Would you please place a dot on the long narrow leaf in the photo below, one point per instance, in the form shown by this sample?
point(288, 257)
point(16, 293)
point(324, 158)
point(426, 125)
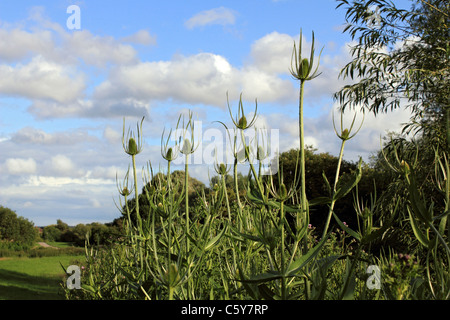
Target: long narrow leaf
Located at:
point(298, 264)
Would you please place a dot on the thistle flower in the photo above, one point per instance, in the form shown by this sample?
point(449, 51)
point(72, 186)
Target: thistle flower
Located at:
point(123, 188)
point(242, 123)
point(346, 133)
point(168, 153)
point(133, 145)
point(188, 143)
point(222, 169)
point(302, 68)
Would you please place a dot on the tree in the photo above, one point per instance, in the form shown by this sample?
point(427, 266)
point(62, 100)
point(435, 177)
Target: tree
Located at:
point(323, 164)
point(51, 233)
point(159, 180)
point(16, 229)
point(402, 61)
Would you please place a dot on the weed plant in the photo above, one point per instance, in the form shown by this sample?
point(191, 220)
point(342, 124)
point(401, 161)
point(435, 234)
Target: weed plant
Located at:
point(262, 246)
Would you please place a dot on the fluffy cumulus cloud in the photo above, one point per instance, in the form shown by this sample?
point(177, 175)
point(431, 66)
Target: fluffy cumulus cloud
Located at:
point(44, 79)
point(17, 166)
point(199, 79)
point(221, 16)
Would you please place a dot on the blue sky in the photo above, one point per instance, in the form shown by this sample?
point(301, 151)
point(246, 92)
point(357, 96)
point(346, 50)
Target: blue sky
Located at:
point(64, 92)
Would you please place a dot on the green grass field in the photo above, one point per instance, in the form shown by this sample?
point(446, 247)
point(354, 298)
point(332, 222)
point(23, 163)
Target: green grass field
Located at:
point(33, 278)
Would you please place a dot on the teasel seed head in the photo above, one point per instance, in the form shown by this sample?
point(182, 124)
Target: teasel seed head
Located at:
point(222, 169)
point(283, 191)
point(242, 124)
point(304, 68)
point(132, 147)
point(187, 147)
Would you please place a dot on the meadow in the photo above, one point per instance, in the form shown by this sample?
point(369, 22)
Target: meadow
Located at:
point(25, 278)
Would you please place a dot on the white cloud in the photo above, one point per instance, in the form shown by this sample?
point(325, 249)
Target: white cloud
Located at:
point(221, 16)
point(29, 135)
point(17, 166)
point(96, 50)
point(44, 80)
point(17, 44)
point(272, 53)
point(62, 165)
point(203, 78)
point(141, 37)
point(111, 135)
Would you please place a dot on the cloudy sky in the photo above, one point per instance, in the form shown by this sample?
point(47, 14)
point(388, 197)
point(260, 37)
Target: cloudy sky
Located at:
point(68, 78)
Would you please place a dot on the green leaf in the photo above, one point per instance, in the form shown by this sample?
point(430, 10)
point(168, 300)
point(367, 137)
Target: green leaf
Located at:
point(264, 277)
point(298, 264)
point(319, 201)
point(417, 232)
point(347, 187)
point(348, 290)
point(351, 232)
point(266, 293)
point(88, 288)
point(216, 239)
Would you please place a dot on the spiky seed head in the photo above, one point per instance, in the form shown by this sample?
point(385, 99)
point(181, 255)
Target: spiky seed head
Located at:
point(169, 154)
point(132, 147)
point(345, 134)
point(283, 191)
point(187, 146)
point(304, 68)
point(222, 169)
point(260, 154)
point(242, 124)
point(125, 192)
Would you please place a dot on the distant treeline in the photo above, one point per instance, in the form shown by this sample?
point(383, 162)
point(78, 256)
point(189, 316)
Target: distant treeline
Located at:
point(96, 233)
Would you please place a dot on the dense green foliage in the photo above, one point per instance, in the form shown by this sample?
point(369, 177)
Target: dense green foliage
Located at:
point(15, 232)
point(95, 232)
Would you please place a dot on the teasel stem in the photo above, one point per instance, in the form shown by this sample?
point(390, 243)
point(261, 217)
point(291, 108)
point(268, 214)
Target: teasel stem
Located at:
point(333, 201)
point(283, 279)
point(302, 149)
point(236, 187)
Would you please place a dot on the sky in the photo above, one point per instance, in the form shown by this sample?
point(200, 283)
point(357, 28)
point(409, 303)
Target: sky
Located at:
point(71, 72)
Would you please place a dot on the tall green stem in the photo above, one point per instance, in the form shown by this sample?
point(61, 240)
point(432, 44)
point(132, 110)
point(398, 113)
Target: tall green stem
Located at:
point(302, 148)
point(136, 194)
point(283, 269)
point(336, 179)
point(170, 217)
point(224, 187)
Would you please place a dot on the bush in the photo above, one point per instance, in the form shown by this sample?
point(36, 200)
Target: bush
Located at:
point(19, 231)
